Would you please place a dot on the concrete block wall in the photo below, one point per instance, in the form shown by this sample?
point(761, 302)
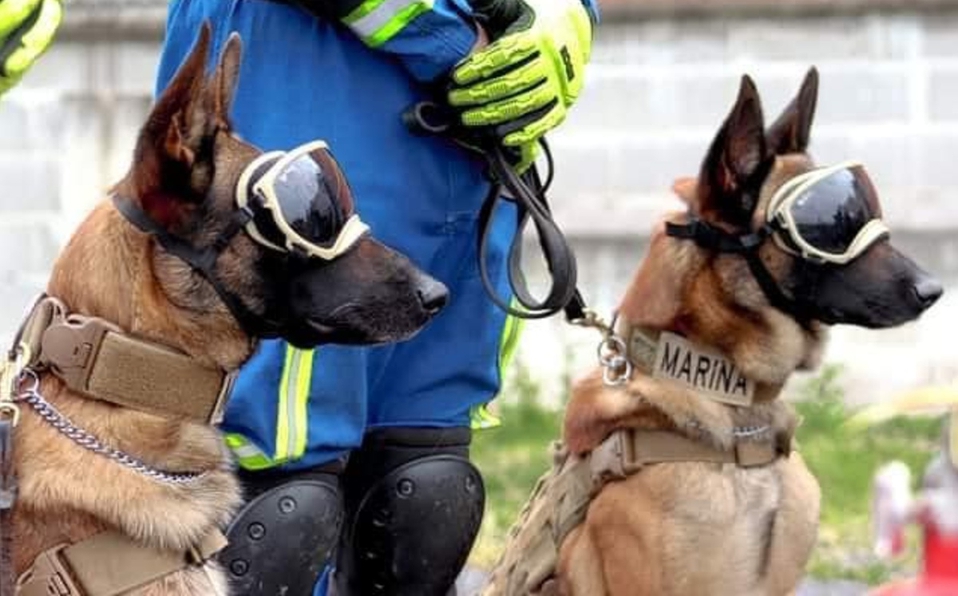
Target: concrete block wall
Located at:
point(659, 87)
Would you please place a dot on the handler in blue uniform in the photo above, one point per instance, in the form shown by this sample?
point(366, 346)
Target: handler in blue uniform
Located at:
point(345, 73)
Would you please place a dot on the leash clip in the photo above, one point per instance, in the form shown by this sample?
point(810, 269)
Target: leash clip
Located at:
point(617, 368)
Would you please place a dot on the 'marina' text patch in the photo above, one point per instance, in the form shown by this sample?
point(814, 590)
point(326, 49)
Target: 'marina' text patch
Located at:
point(703, 370)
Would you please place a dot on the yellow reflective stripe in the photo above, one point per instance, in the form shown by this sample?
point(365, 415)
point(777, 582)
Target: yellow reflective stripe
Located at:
point(378, 21)
point(303, 384)
point(480, 418)
point(291, 416)
point(509, 341)
point(248, 456)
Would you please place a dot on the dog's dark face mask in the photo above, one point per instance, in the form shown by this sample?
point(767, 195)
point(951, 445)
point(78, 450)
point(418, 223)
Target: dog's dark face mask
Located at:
point(294, 262)
point(821, 254)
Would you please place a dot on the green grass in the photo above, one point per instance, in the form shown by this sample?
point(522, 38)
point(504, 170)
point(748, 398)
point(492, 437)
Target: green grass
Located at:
point(843, 459)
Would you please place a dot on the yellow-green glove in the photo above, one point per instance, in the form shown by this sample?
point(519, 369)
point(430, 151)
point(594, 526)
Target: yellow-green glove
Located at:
point(27, 28)
point(523, 83)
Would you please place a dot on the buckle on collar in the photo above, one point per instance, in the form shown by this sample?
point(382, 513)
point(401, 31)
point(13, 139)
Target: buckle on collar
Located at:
point(73, 346)
point(49, 575)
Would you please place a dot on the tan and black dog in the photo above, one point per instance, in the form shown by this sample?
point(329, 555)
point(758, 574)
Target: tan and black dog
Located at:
point(694, 489)
point(161, 484)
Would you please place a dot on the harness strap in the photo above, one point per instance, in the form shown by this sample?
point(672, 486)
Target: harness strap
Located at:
point(96, 358)
point(625, 452)
point(108, 564)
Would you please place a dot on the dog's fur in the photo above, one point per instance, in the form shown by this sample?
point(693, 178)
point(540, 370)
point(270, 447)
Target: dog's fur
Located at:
point(185, 169)
point(697, 529)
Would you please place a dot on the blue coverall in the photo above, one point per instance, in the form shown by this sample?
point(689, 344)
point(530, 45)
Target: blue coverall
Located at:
point(304, 78)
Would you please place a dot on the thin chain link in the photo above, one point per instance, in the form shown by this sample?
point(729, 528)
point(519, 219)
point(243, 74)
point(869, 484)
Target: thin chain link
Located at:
point(64, 426)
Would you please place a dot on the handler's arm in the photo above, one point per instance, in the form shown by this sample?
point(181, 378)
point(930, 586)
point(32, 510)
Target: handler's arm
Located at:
point(428, 36)
point(27, 28)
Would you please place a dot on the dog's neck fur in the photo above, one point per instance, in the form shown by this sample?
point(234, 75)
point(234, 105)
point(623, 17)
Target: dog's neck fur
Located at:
point(108, 247)
point(107, 271)
point(679, 288)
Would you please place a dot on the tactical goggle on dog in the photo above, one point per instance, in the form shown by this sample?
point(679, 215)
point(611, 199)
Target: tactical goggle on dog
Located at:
point(830, 215)
point(301, 202)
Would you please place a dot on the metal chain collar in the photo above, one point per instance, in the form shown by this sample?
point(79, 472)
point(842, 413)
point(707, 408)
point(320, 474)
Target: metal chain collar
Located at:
point(29, 394)
point(612, 352)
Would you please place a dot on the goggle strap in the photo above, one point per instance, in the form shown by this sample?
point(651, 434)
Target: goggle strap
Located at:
point(712, 238)
point(203, 261)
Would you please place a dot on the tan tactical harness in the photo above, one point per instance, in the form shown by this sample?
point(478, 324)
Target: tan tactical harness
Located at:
point(97, 359)
point(561, 497)
point(109, 564)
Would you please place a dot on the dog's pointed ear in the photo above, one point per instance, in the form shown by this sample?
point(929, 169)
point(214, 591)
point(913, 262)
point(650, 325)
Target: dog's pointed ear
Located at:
point(164, 178)
point(731, 173)
point(226, 78)
point(791, 133)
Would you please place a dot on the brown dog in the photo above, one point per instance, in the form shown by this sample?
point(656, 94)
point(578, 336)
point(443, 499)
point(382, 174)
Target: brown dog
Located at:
point(703, 496)
point(183, 178)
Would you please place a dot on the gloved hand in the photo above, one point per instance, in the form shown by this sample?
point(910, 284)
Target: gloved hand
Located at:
point(27, 28)
point(523, 83)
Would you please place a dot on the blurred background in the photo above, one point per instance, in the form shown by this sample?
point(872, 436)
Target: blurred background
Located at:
point(664, 74)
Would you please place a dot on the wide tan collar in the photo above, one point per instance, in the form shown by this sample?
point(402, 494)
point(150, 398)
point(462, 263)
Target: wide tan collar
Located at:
point(98, 359)
point(672, 358)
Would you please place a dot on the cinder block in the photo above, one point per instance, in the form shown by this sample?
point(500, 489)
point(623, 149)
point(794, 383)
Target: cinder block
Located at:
point(941, 34)
point(135, 66)
point(32, 184)
point(813, 39)
point(16, 295)
point(662, 42)
point(938, 165)
point(943, 93)
point(26, 249)
point(862, 96)
point(65, 68)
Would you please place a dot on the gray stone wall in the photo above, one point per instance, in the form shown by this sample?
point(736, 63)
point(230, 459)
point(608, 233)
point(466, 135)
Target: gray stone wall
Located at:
point(659, 87)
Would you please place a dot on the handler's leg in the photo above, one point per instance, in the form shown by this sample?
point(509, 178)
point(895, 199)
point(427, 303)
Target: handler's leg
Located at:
point(414, 502)
point(414, 507)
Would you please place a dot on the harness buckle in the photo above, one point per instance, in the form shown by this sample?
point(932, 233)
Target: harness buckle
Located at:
point(612, 459)
point(49, 575)
point(70, 348)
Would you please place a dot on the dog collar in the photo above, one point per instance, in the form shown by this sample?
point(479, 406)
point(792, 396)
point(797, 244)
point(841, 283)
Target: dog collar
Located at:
point(706, 371)
point(98, 359)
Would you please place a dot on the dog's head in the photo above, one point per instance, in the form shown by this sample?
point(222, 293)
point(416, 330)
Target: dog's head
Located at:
point(183, 186)
point(764, 216)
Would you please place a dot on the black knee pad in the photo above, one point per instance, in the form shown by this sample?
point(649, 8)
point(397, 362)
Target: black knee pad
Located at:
point(414, 505)
point(284, 536)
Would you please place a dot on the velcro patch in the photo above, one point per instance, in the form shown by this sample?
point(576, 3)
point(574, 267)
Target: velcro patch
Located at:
point(703, 370)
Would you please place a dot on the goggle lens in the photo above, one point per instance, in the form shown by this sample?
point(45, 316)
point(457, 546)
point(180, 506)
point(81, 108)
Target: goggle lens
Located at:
point(306, 196)
point(830, 214)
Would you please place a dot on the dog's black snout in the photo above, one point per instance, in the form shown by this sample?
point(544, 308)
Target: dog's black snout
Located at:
point(433, 295)
point(927, 290)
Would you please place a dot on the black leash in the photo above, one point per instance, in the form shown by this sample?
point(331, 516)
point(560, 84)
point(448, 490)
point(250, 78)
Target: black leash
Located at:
point(528, 192)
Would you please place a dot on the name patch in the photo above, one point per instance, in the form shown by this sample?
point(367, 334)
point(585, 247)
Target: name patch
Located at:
point(706, 371)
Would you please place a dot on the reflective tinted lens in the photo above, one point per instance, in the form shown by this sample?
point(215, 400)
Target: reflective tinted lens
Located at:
point(830, 214)
point(307, 192)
